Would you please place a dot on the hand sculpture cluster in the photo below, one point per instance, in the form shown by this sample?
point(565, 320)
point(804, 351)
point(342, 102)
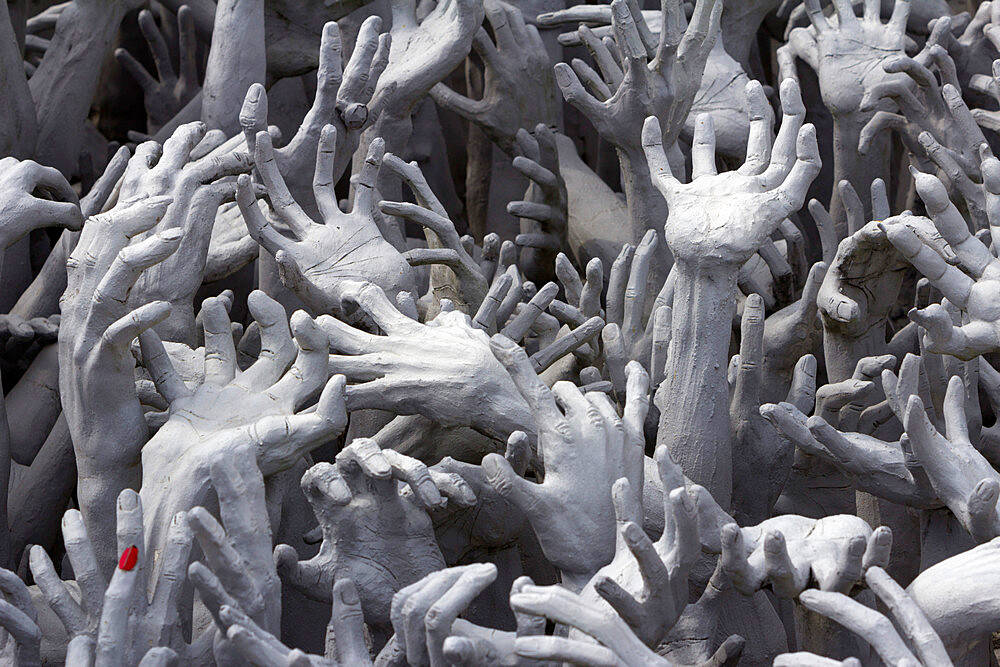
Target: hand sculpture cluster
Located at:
point(489, 333)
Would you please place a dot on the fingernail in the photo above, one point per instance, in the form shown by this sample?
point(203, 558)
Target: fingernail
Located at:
point(633, 533)
point(349, 595)
point(129, 558)
point(128, 501)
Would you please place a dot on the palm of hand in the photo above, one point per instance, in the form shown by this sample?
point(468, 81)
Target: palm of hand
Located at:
point(330, 253)
point(709, 218)
point(850, 63)
point(423, 54)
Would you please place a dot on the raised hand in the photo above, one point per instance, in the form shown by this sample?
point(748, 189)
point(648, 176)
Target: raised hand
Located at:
point(372, 506)
point(745, 207)
point(346, 629)
point(958, 473)
point(914, 643)
point(238, 569)
point(166, 93)
point(518, 88)
point(343, 100)
point(19, 618)
point(95, 362)
point(543, 210)
point(324, 257)
point(973, 295)
point(393, 371)
point(586, 440)
point(231, 408)
point(117, 621)
point(789, 552)
point(422, 54)
point(34, 197)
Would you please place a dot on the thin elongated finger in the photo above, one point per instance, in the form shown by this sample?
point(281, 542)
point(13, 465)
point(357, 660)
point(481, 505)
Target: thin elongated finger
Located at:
point(751, 371)
point(792, 191)
point(166, 378)
point(364, 197)
point(54, 591)
point(656, 157)
point(277, 349)
point(875, 628)
point(758, 154)
point(348, 624)
point(635, 290)
point(617, 284)
point(734, 560)
point(909, 618)
point(561, 649)
point(309, 372)
point(113, 628)
point(563, 346)
point(703, 147)
point(25, 632)
point(783, 154)
point(700, 35)
point(173, 569)
point(132, 260)
point(281, 199)
point(975, 256)
point(358, 68)
point(240, 488)
point(220, 351)
point(537, 395)
point(519, 326)
point(227, 564)
point(374, 302)
point(135, 70)
point(443, 613)
point(954, 284)
point(157, 45)
point(257, 225)
point(414, 473)
point(878, 550)
point(254, 647)
point(82, 558)
point(610, 71)
point(123, 331)
point(326, 152)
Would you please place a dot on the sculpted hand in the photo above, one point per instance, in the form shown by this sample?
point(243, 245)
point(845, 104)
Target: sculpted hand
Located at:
point(346, 628)
point(518, 88)
point(394, 371)
point(238, 569)
point(118, 621)
point(232, 409)
point(973, 295)
point(914, 643)
point(34, 197)
point(771, 184)
point(322, 258)
point(372, 506)
point(167, 93)
point(19, 619)
point(585, 440)
point(788, 552)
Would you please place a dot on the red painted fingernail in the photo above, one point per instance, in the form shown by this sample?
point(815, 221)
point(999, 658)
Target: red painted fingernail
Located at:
point(129, 558)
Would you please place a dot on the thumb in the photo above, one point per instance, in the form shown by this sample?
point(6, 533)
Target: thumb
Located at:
point(523, 494)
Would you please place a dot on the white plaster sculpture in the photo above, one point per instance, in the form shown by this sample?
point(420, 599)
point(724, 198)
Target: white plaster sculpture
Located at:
point(415, 334)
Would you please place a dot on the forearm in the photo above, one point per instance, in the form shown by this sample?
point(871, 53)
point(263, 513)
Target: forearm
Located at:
point(41, 299)
point(18, 125)
point(34, 402)
point(694, 408)
point(857, 169)
point(237, 60)
point(64, 84)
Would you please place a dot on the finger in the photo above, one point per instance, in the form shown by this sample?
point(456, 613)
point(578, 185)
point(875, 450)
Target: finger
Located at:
point(173, 569)
point(277, 349)
point(703, 147)
point(281, 199)
point(519, 326)
point(561, 649)
point(123, 331)
point(310, 370)
point(132, 260)
point(617, 284)
point(135, 70)
point(954, 284)
point(157, 45)
point(656, 157)
point(529, 385)
point(348, 624)
point(364, 197)
point(526, 496)
point(784, 151)
point(635, 291)
point(113, 628)
point(374, 302)
point(875, 628)
point(220, 351)
point(326, 152)
point(442, 614)
point(226, 563)
point(257, 225)
point(415, 474)
point(253, 115)
point(54, 591)
point(792, 192)
point(802, 392)
point(81, 556)
point(878, 550)
point(975, 256)
point(758, 154)
point(781, 572)
point(563, 346)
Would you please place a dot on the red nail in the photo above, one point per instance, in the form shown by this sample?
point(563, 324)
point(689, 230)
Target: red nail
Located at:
point(129, 558)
